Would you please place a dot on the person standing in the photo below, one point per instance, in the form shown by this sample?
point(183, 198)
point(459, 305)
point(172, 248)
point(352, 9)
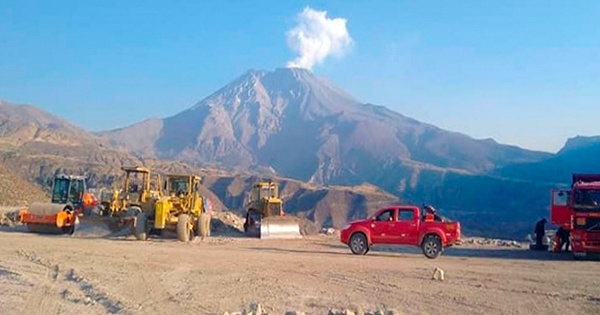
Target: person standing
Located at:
point(540, 231)
point(563, 239)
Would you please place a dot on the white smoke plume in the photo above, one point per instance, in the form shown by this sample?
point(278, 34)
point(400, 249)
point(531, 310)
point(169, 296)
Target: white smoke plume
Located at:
point(315, 37)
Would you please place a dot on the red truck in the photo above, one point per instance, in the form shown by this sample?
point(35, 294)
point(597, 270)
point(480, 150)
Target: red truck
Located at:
point(578, 210)
point(401, 225)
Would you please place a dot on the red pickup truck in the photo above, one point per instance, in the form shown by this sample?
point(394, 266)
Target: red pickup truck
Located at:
point(401, 225)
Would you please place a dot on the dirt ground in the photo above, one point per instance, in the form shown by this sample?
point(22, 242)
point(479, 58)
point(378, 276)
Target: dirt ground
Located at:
point(68, 275)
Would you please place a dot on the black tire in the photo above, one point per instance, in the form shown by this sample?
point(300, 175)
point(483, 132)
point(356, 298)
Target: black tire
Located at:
point(140, 230)
point(184, 233)
point(432, 246)
point(204, 225)
point(358, 244)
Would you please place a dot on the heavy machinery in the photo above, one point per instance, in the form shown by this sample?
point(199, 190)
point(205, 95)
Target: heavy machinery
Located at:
point(265, 217)
point(577, 210)
point(182, 209)
point(139, 194)
point(70, 198)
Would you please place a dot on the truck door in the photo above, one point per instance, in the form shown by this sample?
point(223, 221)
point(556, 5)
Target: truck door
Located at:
point(406, 227)
point(381, 226)
point(561, 211)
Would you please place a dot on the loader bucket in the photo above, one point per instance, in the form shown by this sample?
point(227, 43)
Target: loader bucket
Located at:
point(279, 228)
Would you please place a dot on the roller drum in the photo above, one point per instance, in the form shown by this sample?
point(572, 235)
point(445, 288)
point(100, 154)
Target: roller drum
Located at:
point(46, 209)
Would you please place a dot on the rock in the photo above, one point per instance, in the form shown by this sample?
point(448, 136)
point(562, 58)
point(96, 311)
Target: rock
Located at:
point(256, 308)
point(438, 274)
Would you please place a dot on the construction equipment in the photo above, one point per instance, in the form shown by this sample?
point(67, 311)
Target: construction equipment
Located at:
point(70, 198)
point(182, 209)
point(140, 191)
point(265, 217)
point(577, 210)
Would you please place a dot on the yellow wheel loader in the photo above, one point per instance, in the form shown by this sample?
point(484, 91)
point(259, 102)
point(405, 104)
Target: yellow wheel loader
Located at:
point(265, 217)
point(182, 209)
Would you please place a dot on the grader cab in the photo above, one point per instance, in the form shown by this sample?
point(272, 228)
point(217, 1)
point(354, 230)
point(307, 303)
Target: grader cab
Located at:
point(265, 217)
point(182, 209)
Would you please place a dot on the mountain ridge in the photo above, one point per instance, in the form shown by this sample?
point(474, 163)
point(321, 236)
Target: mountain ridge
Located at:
point(249, 121)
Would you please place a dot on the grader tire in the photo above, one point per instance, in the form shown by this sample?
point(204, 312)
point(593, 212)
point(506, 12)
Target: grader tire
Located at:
point(140, 229)
point(204, 225)
point(184, 232)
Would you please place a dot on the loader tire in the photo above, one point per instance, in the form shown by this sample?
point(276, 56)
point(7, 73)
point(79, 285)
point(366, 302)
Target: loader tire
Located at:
point(140, 229)
point(204, 225)
point(184, 233)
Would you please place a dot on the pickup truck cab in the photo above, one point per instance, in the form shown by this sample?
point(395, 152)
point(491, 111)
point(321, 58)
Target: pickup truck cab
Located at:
point(401, 225)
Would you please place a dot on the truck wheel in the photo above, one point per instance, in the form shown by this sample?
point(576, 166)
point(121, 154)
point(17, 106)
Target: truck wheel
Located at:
point(432, 246)
point(139, 230)
point(204, 225)
point(358, 244)
point(184, 233)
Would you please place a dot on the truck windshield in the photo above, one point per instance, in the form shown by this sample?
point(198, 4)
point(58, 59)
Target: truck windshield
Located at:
point(587, 200)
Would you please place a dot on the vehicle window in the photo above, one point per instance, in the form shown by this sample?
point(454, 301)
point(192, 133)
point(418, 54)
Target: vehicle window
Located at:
point(76, 191)
point(60, 191)
point(405, 215)
point(560, 198)
point(387, 215)
point(178, 185)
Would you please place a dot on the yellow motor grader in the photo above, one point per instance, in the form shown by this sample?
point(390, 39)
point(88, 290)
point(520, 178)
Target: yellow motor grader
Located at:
point(139, 193)
point(265, 217)
point(182, 209)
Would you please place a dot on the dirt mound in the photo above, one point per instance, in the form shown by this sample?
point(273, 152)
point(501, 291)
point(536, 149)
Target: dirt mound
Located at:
point(15, 191)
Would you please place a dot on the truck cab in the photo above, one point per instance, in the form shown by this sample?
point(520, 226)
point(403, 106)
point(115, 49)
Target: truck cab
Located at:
point(401, 225)
point(578, 210)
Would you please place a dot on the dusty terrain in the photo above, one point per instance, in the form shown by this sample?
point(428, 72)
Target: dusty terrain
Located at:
point(67, 275)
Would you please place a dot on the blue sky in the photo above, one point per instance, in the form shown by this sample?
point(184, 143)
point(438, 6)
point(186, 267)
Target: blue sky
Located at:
point(521, 72)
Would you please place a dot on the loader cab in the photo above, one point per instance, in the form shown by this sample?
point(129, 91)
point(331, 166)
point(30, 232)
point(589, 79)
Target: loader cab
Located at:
point(265, 199)
point(68, 189)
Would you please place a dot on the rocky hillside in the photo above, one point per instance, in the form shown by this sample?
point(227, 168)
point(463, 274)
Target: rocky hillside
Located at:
point(579, 155)
point(65, 148)
point(304, 127)
point(15, 191)
point(325, 206)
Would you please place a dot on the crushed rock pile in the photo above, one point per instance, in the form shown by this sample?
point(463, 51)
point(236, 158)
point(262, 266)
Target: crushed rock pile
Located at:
point(9, 216)
point(259, 309)
point(493, 242)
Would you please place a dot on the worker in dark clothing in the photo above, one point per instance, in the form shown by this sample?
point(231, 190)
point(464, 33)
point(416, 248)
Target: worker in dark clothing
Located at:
point(563, 237)
point(540, 231)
